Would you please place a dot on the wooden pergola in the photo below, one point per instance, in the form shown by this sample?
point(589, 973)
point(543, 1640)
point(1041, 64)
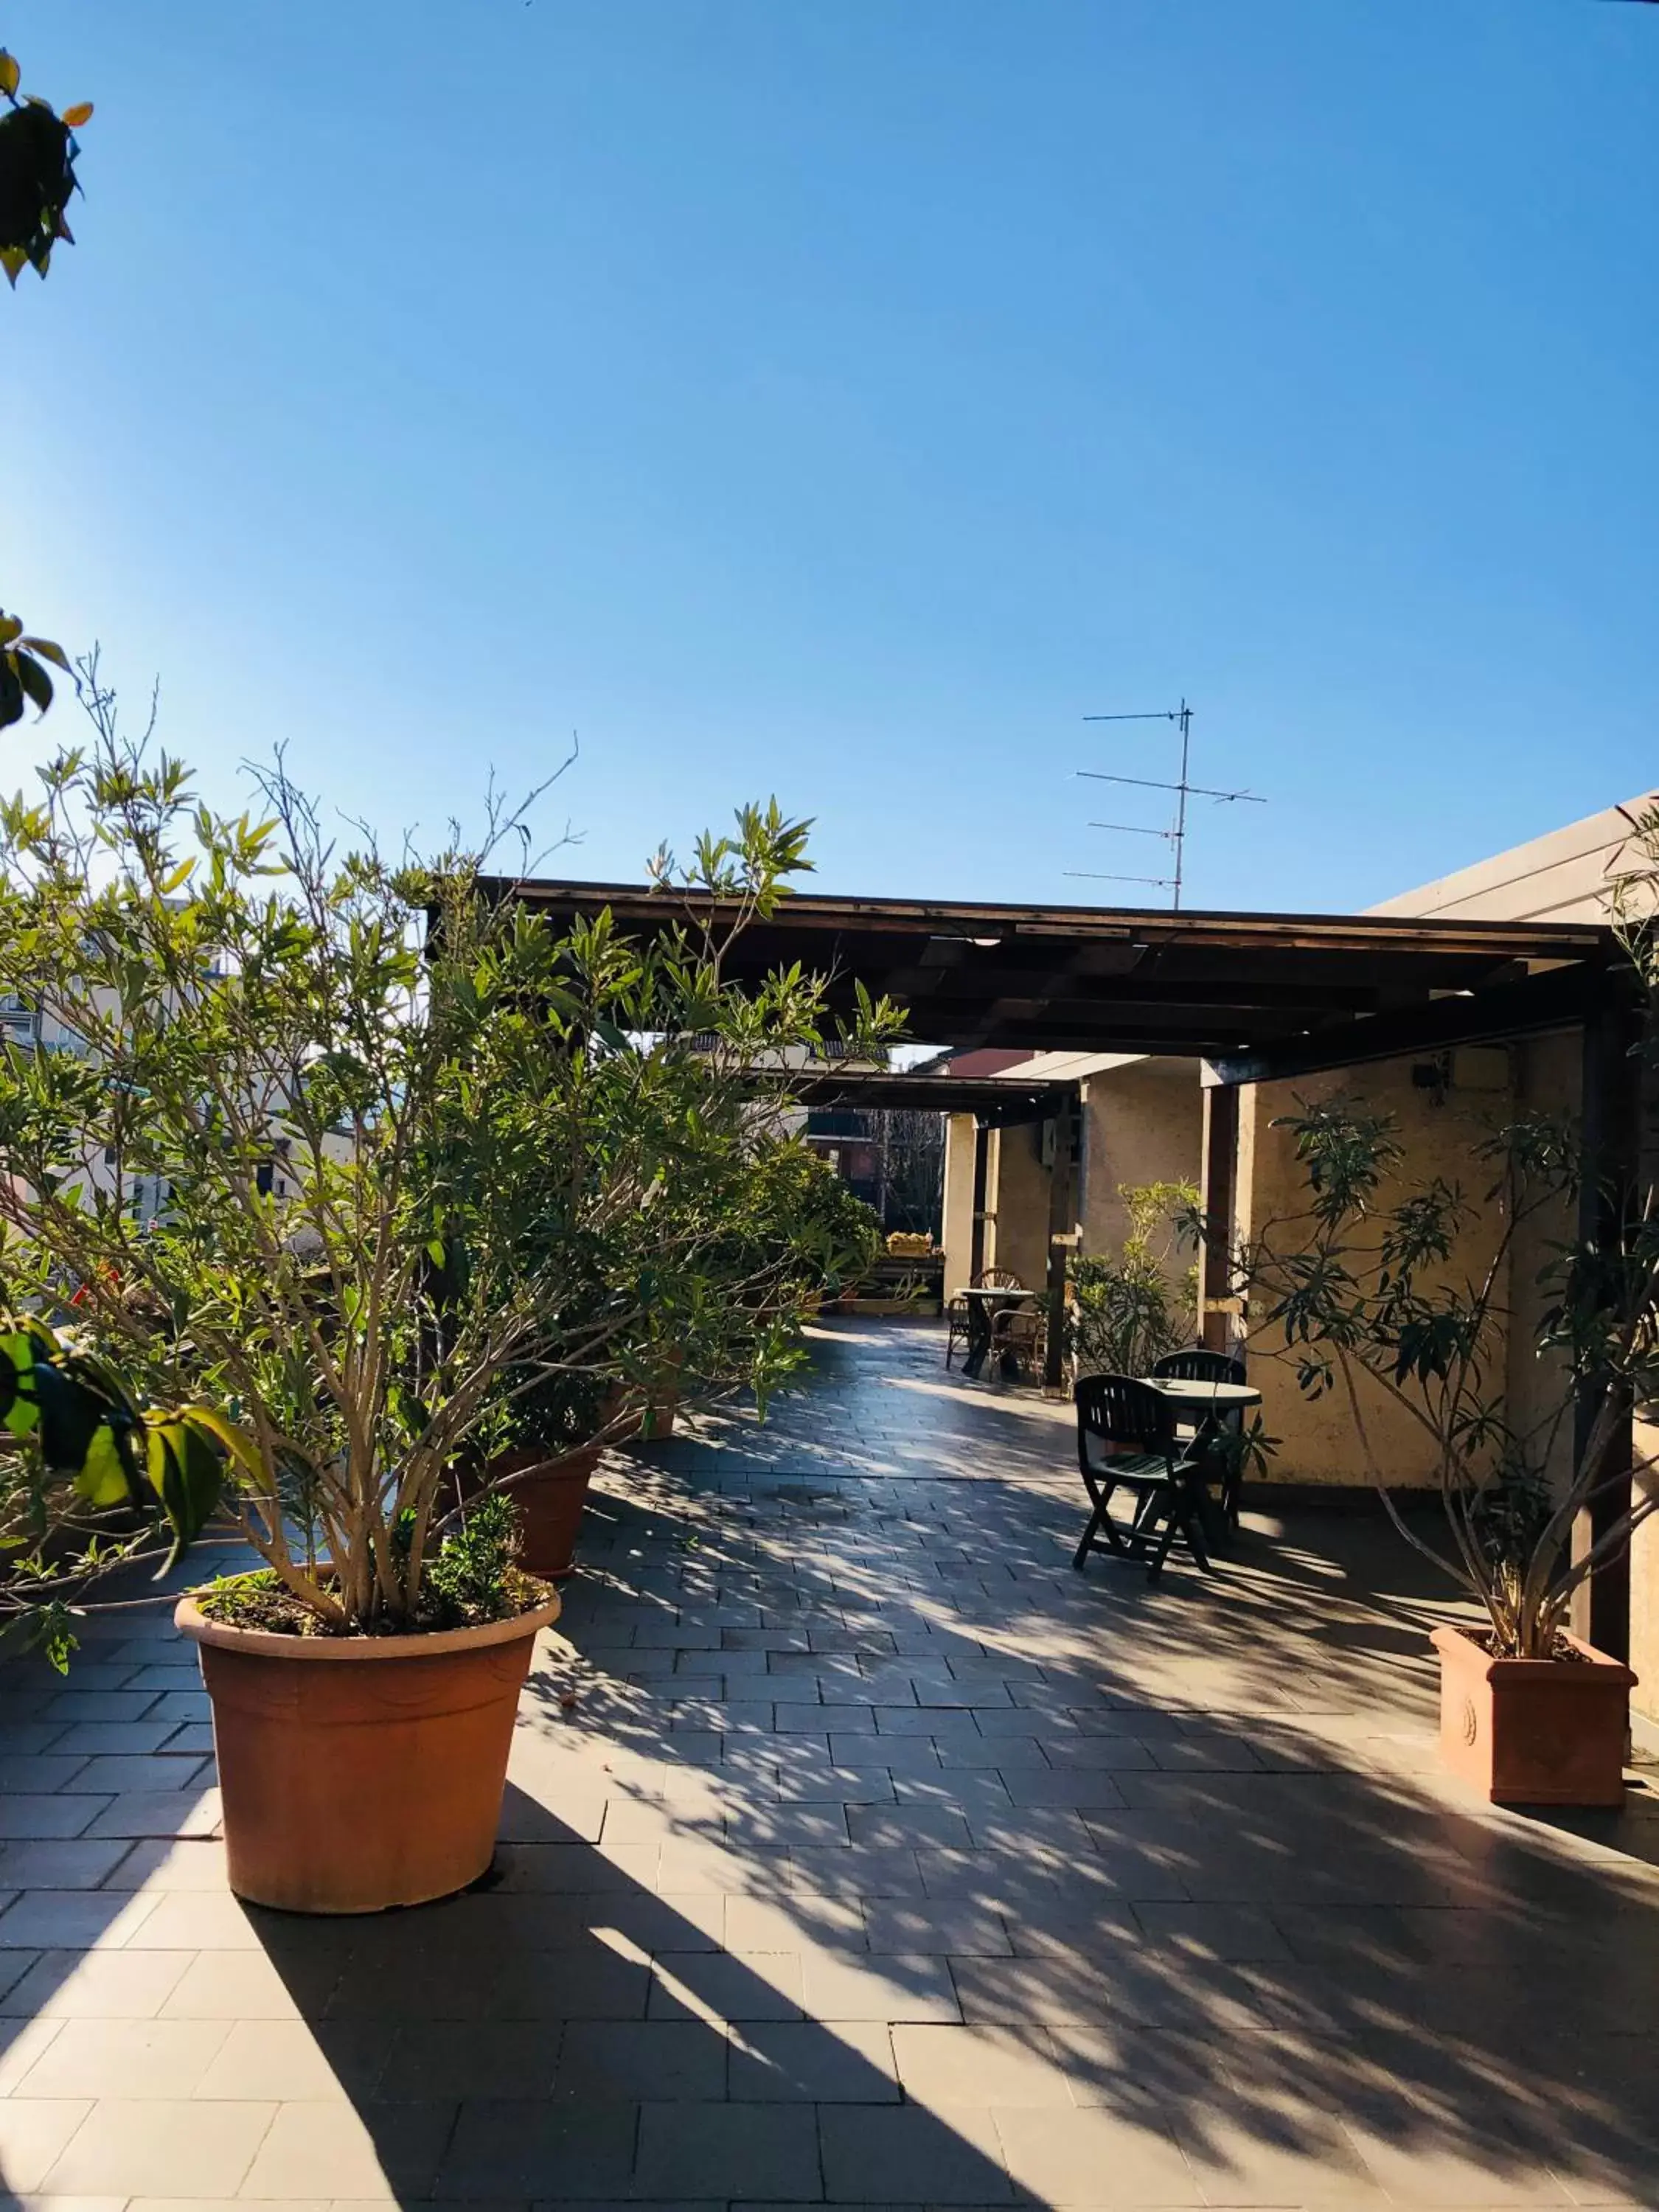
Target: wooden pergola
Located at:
point(1257, 997)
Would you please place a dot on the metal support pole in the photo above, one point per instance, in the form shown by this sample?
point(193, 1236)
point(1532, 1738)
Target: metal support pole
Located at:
point(1215, 1283)
point(1061, 1214)
point(981, 1159)
point(1611, 1106)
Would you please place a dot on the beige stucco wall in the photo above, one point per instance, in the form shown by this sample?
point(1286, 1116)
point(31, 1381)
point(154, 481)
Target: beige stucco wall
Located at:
point(1317, 1442)
point(1142, 1124)
point(1021, 1241)
point(1548, 1080)
point(958, 1228)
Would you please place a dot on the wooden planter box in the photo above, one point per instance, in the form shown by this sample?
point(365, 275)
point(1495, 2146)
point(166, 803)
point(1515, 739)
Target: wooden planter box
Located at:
point(1533, 1731)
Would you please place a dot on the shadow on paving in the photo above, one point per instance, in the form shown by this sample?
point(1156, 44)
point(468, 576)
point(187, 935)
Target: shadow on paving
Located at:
point(856, 1848)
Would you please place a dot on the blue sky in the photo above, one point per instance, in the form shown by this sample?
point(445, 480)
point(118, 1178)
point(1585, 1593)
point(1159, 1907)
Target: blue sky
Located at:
point(843, 399)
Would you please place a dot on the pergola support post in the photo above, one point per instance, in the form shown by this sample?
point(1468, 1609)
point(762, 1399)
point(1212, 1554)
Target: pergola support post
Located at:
point(1059, 1239)
point(1611, 1122)
point(1215, 1283)
point(982, 1165)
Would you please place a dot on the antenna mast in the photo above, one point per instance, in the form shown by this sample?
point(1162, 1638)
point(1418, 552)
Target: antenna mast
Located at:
point(1184, 789)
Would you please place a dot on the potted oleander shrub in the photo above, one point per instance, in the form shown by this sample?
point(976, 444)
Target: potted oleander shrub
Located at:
point(1367, 1287)
point(333, 1154)
point(1129, 1309)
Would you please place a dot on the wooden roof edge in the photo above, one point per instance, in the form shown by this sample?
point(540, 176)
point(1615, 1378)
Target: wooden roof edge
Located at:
point(1523, 940)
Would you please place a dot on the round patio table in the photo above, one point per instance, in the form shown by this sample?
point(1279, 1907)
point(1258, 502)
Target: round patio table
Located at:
point(1201, 1402)
point(1211, 1397)
point(983, 1307)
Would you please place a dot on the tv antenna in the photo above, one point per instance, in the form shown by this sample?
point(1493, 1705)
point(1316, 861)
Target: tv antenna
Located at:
point(1175, 837)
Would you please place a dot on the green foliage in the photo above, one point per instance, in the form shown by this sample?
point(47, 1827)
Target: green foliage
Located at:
point(1129, 1311)
point(38, 153)
point(426, 1157)
point(1369, 1287)
point(88, 1481)
point(470, 1580)
point(23, 677)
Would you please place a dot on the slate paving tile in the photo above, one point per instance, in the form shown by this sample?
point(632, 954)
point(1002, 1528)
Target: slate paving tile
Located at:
point(26, 1738)
point(190, 1736)
point(91, 1739)
point(362, 2150)
point(880, 1989)
point(726, 1985)
point(166, 1813)
point(903, 2154)
point(155, 1770)
point(1091, 2158)
point(77, 1707)
point(1221, 1931)
point(1263, 1884)
point(25, 1816)
point(295, 2061)
point(242, 1985)
point(943, 1926)
point(807, 2062)
point(144, 2059)
point(539, 2148)
point(668, 2061)
point(905, 1826)
point(768, 2150)
point(449, 2060)
point(162, 1862)
point(39, 1771)
point(72, 1919)
point(34, 2134)
point(942, 2067)
point(14, 1965)
point(160, 2147)
point(1065, 1787)
point(96, 1984)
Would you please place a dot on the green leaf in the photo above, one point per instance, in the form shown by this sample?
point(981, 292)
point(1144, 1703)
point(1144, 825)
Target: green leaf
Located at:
point(10, 75)
point(101, 1477)
point(34, 680)
point(46, 650)
point(10, 628)
point(72, 1414)
point(187, 1475)
point(19, 1412)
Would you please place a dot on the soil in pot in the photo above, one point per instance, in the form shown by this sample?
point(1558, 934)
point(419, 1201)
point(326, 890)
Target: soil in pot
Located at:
point(1533, 1731)
point(361, 1771)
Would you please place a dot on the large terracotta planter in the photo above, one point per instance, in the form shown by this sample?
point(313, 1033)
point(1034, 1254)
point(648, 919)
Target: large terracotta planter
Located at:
point(359, 1772)
point(550, 1494)
point(1533, 1731)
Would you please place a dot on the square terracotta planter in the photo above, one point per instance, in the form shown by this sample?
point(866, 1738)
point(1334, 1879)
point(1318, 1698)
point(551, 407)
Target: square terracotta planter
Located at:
point(1533, 1731)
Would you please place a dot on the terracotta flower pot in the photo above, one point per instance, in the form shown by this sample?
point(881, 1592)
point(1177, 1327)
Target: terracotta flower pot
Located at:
point(1533, 1731)
point(359, 1772)
point(550, 1494)
point(660, 1408)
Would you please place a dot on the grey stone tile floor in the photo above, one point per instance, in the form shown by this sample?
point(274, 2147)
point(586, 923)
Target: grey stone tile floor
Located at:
point(857, 1850)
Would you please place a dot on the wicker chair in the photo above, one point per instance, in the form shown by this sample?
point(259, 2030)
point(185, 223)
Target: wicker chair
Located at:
point(1021, 1336)
point(957, 1315)
point(959, 1312)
